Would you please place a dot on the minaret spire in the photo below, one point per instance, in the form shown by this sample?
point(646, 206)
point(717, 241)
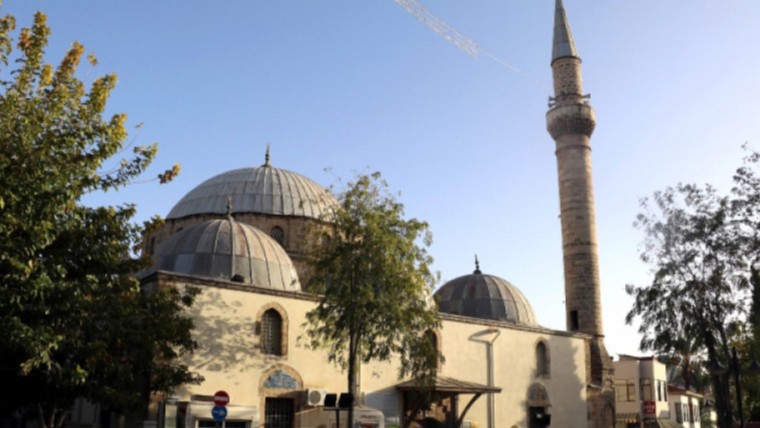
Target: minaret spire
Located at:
point(563, 38)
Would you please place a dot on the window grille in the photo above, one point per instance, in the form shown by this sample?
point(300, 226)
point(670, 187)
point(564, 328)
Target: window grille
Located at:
point(278, 235)
point(278, 413)
point(271, 333)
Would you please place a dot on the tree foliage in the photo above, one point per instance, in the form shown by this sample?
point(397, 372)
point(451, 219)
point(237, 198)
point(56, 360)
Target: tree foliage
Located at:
point(75, 321)
point(374, 281)
point(703, 249)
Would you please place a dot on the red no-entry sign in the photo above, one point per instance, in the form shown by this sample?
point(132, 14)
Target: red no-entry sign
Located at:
point(221, 398)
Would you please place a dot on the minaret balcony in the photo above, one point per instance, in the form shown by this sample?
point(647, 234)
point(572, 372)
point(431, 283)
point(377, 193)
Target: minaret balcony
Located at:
point(576, 118)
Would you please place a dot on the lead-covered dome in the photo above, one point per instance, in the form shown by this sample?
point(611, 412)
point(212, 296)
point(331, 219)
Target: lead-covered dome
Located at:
point(263, 190)
point(487, 297)
point(226, 249)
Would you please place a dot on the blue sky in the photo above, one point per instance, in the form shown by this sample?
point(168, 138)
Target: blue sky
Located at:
point(338, 86)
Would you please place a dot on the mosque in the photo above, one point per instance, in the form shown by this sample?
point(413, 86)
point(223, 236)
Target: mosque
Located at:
point(241, 237)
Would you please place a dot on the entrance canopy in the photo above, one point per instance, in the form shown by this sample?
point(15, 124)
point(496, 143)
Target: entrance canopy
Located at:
point(417, 397)
point(450, 385)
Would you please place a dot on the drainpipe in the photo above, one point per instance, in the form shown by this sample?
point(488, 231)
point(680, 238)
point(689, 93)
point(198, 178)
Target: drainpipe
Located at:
point(490, 337)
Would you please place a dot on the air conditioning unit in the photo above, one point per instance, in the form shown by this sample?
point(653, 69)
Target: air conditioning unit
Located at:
point(315, 397)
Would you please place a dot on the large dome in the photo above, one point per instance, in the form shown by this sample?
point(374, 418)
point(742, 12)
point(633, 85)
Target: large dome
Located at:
point(263, 190)
point(231, 251)
point(487, 297)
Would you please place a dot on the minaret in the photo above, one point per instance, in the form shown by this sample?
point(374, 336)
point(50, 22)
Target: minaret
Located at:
point(571, 121)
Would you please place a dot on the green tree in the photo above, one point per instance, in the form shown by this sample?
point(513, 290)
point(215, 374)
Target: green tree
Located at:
point(375, 285)
point(746, 205)
point(700, 278)
point(75, 322)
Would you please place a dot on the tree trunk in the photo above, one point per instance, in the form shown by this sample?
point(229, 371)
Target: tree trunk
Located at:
point(352, 354)
point(720, 386)
point(55, 417)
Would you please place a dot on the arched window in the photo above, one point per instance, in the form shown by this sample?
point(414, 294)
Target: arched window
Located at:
point(542, 360)
point(278, 234)
point(432, 338)
point(271, 333)
point(326, 241)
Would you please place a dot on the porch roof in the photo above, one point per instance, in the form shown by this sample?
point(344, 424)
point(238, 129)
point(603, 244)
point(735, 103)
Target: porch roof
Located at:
point(448, 384)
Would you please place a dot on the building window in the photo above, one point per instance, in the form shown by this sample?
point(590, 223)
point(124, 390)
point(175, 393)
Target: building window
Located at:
point(574, 323)
point(646, 390)
point(278, 234)
point(278, 413)
point(271, 333)
point(432, 339)
point(679, 413)
point(625, 390)
point(542, 360)
point(326, 241)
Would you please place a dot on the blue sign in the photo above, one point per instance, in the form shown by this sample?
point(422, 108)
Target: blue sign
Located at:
point(219, 413)
point(280, 379)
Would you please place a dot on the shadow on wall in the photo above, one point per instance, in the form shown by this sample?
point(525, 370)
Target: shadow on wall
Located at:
point(225, 332)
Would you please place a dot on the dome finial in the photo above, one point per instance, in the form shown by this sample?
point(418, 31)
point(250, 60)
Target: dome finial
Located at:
point(266, 156)
point(477, 266)
point(229, 206)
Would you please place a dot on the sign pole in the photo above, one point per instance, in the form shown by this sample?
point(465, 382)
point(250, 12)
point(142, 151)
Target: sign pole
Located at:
point(219, 412)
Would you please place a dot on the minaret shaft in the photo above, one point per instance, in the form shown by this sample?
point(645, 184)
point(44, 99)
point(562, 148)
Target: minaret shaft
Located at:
point(571, 121)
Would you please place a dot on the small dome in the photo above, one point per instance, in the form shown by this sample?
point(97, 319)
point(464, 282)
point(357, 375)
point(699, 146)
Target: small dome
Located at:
point(487, 297)
point(263, 190)
point(228, 250)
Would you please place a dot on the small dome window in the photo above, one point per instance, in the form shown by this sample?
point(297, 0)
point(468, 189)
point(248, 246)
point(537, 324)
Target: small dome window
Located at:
point(278, 234)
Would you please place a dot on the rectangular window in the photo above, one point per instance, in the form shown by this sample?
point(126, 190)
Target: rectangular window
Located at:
point(646, 389)
point(574, 323)
point(621, 391)
point(625, 390)
point(278, 413)
point(631, 391)
point(679, 413)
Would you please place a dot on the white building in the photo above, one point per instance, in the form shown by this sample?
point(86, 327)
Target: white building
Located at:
point(641, 392)
point(685, 407)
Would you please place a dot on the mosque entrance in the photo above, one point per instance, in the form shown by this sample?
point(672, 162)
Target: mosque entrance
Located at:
point(538, 403)
point(538, 417)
